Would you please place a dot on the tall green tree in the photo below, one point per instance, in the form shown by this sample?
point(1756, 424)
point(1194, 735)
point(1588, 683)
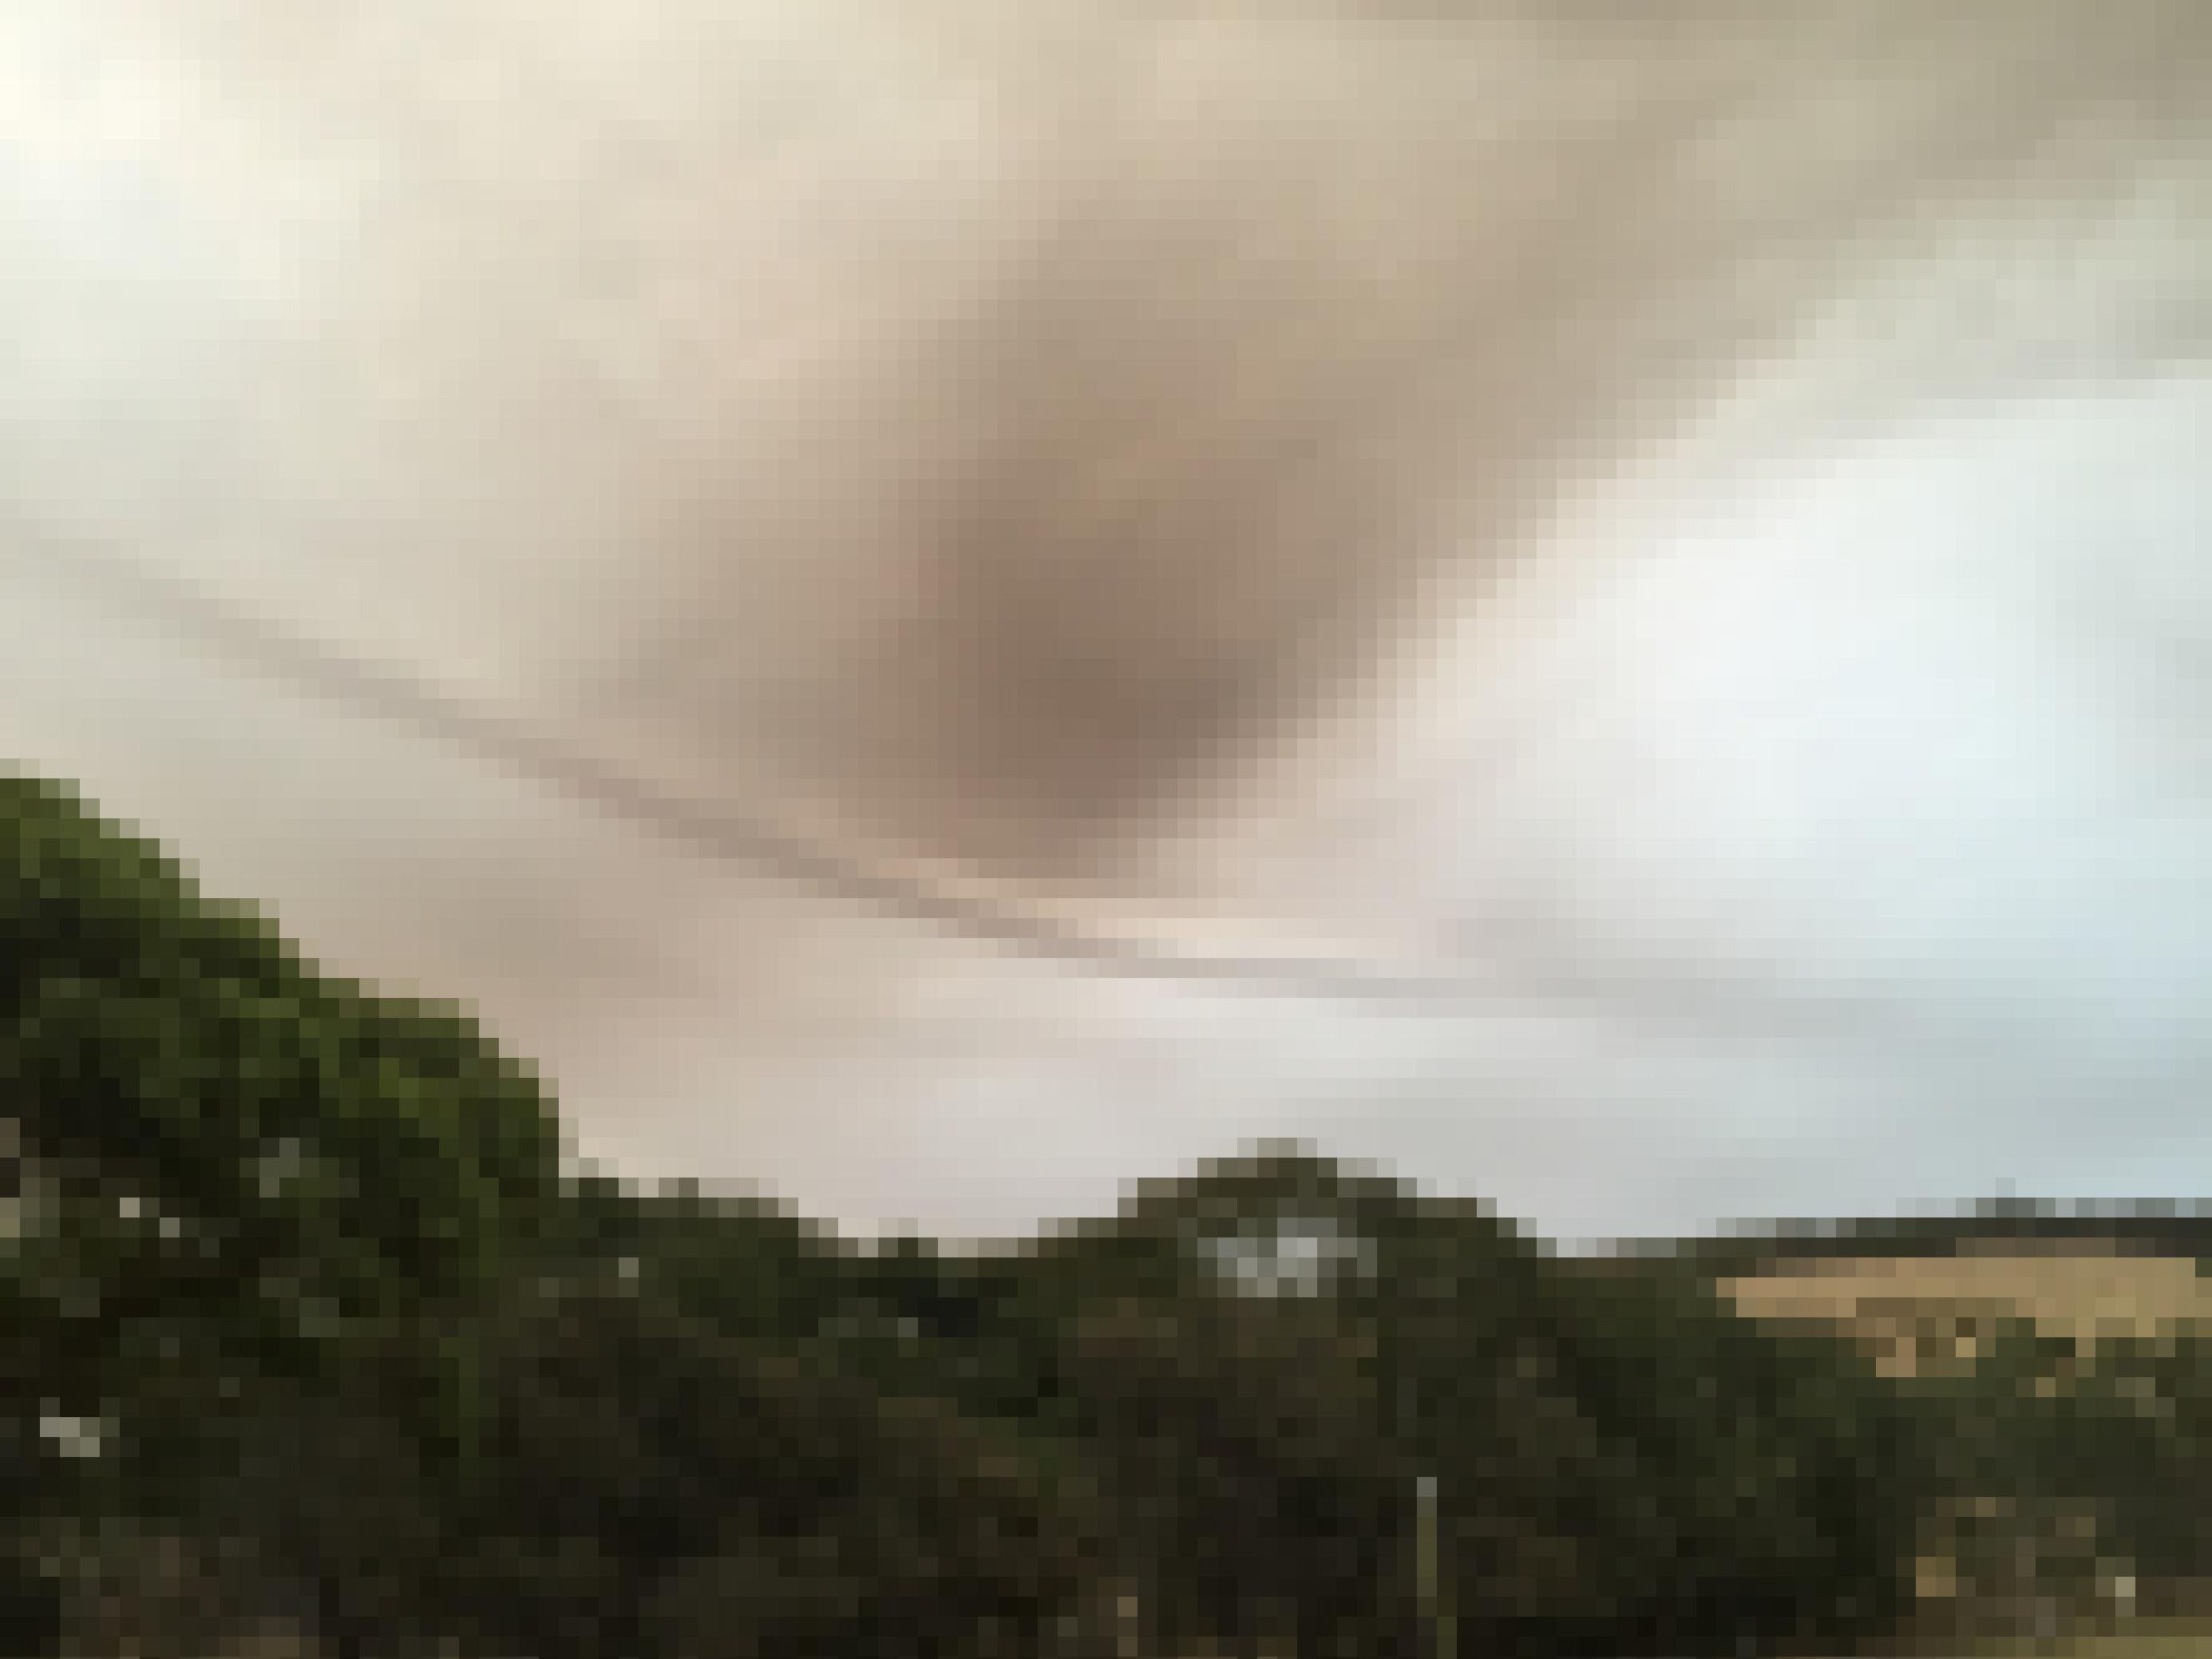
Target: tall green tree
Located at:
point(235, 1181)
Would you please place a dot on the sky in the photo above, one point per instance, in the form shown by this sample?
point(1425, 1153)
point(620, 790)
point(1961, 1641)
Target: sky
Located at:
point(1692, 584)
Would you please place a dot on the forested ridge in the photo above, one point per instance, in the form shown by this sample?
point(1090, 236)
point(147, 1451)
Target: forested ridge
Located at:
point(311, 1325)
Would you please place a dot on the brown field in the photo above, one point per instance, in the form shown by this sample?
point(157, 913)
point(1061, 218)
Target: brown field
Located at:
point(2075, 1287)
point(2164, 1639)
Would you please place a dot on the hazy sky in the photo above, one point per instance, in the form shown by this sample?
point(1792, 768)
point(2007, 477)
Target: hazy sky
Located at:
point(1709, 528)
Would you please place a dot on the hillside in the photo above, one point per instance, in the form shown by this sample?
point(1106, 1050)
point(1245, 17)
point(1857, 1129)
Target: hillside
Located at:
point(1903, 1280)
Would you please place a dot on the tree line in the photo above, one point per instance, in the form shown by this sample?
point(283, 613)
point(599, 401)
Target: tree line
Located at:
point(311, 1325)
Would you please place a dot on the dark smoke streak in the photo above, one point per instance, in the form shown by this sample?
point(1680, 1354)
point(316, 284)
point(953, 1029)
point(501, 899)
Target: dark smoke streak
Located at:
point(1663, 997)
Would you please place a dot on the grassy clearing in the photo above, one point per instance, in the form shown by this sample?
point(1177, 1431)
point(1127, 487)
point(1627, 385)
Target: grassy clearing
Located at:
point(2085, 1292)
point(2173, 1638)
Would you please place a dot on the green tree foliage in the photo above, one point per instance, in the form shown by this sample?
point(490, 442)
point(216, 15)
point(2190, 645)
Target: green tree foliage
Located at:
point(234, 1179)
point(2061, 1465)
point(1624, 1464)
point(1711, 1486)
point(745, 1266)
point(654, 1487)
point(2144, 1405)
point(1273, 1352)
point(1257, 1495)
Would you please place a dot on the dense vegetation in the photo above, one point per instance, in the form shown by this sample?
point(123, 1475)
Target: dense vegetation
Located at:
point(307, 1322)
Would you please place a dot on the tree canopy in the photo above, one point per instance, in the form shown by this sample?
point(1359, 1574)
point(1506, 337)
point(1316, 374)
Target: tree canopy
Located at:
point(306, 1320)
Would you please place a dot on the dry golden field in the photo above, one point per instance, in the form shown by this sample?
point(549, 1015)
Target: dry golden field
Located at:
point(2080, 1288)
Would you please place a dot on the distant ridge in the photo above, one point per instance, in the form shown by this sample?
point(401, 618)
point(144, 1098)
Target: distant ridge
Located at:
point(2159, 1228)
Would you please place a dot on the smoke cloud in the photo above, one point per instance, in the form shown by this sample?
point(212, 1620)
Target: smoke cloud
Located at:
point(1706, 507)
